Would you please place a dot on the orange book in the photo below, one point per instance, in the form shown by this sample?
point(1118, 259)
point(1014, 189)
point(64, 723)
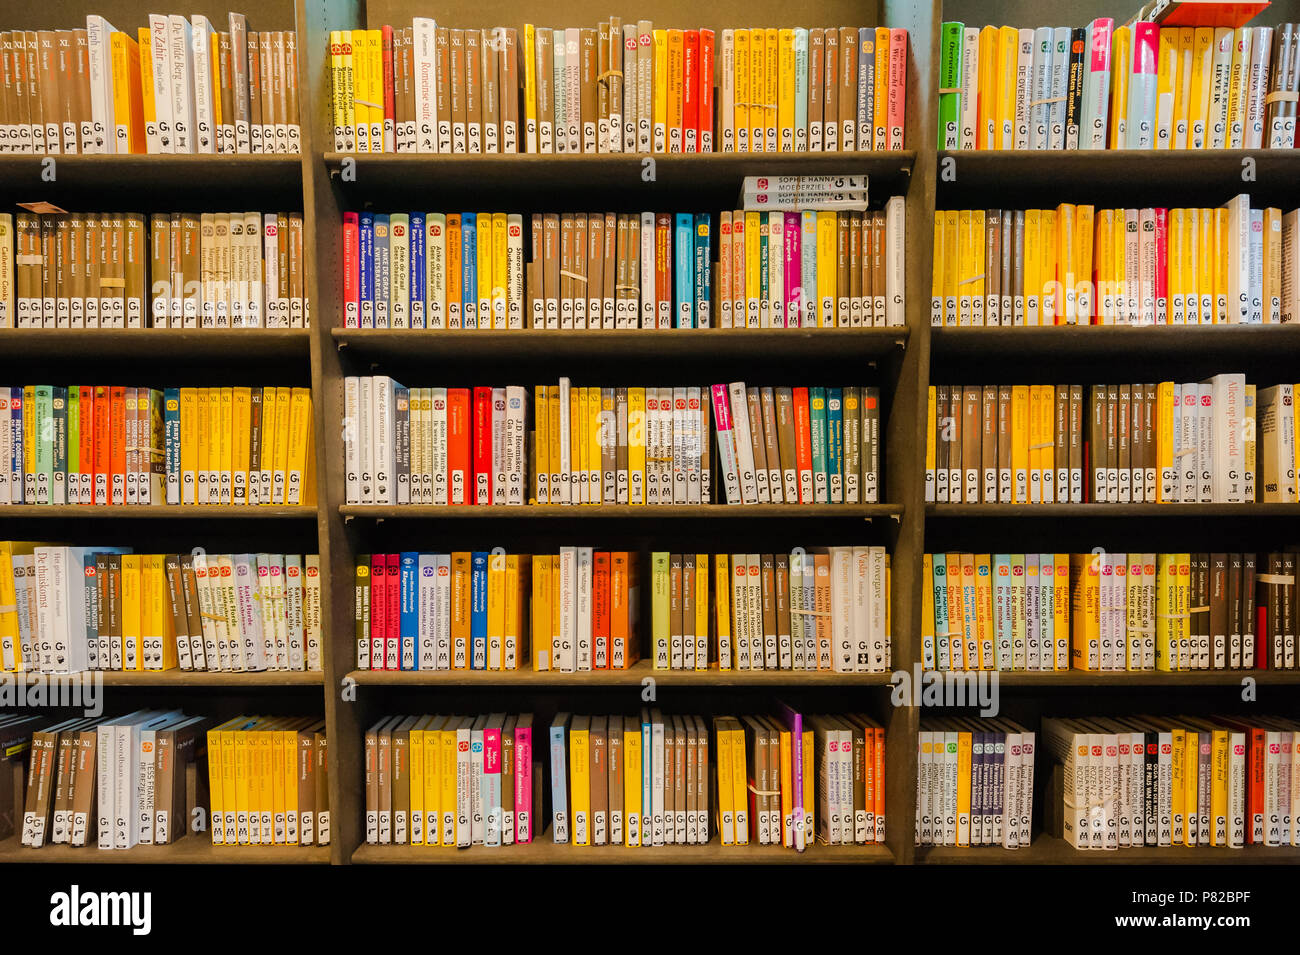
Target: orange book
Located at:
point(460, 609)
point(879, 732)
point(458, 444)
point(803, 445)
point(620, 653)
point(103, 443)
point(128, 99)
point(117, 445)
point(600, 600)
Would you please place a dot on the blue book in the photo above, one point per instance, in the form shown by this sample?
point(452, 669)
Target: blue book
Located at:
point(171, 443)
point(409, 622)
point(683, 271)
point(383, 270)
point(703, 278)
point(835, 442)
point(416, 311)
point(478, 610)
point(469, 270)
point(366, 258)
point(560, 778)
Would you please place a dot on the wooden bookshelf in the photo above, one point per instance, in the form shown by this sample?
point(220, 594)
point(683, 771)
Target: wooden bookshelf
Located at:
point(903, 361)
point(1049, 850)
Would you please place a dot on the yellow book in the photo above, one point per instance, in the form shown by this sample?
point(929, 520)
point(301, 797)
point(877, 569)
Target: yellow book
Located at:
point(280, 452)
point(375, 56)
point(1219, 788)
point(1033, 282)
point(986, 124)
point(128, 97)
point(162, 627)
point(541, 493)
point(770, 83)
point(636, 445)
point(240, 434)
point(880, 94)
point(1085, 606)
point(741, 117)
point(347, 72)
point(300, 449)
point(676, 89)
point(578, 432)
point(235, 834)
point(963, 788)
point(336, 85)
point(10, 643)
point(1020, 444)
point(1191, 762)
point(430, 780)
point(928, 658)
point(1178, 785)
point(937, 271)
point(272, 788)
point(983, 610)
point(1119, 280)
point(1049, 291)
point(593, 449)
point(946, 262)
point(757, 92)
point(360, 56)
point(1166, 84)
point(785, 91)
point(1198, 107)
point(516, 580)
point(740, 778)
point(1183, 87)
point(132, 597)
point(1061, 612)
point(1176, 259)
point(553, 426)
point(1065, 262)
point(483, 245)
point(931, 442)
point(1008, 49)
point(530, 89)
point(244, 792)
point(701, 607)
point(223, 426)
point(976, 276)
point(1205, 266)
point(149, 110)
point(1166, 611)
point(722, 611)
point(1221, 245)
point(827, 252)
point(496, 608)
point(204, 450)
point(632, 814)
point(580, 779)
point(1167, 474)
point(447, 781)
point(1121, 52)
point(1104, 245)
point(217, 803)
point(1191, 292)
point(288, 769)
point(415, 776)
point(965, 268)
point(809, 784)
point(1182, 617)
point(661, 91)
point(1084, 297)
point(500, 243)
point(215, 63)
point(726, 817)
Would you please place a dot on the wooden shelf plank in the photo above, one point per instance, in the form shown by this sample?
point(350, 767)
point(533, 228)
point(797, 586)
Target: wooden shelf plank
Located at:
point(1048, 850)
point(1148, 678)
point(633, 676)
point(157, 512)
point(1076, 511)
point(1147, 343)
point(190, 849)
point(135, 344)
point(889, 172)
point(111, 175)
point(699, 343)
point(542, 851)
point(621, 512)
point(186, 679)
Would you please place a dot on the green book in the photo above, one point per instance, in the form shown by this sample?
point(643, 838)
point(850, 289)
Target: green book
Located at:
point(817, 431)
point(950, 37)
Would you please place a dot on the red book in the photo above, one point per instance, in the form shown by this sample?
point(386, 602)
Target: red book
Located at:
point(664, 269)
point(458, 429)
point(482, 445)
point(378, 609)
point(691, 92)
point(351, 271)
point(1255, 757)
point(103, 459)
point(600, 602)
point(803, 444)
point(706, 91)
point(117, 445)
point(1162, 273)
point(86, 453)
point(393, 606)
point(390, 117)
point(897, 86)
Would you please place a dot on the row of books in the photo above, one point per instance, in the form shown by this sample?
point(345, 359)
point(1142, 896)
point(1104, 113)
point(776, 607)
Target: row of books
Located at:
point(176, 86)
point(616, 88)
point(824, 608)
point(68, 609)
point(113, 444)
point(1119, 444)
point(974, 783)
point(1176, 781)
point(1107, 611)
point(1076, 265)
point(1137, 86)
point(178, 270)
point(777, 269)
point(589, 445)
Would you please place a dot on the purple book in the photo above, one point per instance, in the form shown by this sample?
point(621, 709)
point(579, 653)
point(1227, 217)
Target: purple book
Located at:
point(793, 269)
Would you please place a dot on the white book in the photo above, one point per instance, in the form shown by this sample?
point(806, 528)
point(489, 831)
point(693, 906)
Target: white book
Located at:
point(895, 261)
point(204, 132)
point(743, 443)
point(842, 605)
point(182, 83)
point(564, 653)
point(970, 87)
point(99, 49)
point(1040, 109)
point(422, 135)
point(516, 436)
point(159, 134)
point(384, 439)
point(582, 608)
point(1024, 87)
point(352, 465)
point(1221, 88)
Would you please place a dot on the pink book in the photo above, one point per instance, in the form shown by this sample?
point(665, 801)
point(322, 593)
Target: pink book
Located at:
point(378, 609)
point(393, 608)
point(492, 783)
point(793, 269)
point(351, 271)
point(1162, 273)
point(897, 86)
point(524, 778)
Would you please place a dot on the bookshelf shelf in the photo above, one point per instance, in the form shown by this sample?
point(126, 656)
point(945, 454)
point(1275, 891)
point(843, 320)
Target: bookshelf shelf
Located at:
point(1049, 850)
point(623, 512)
point(542, 851)
point(260, 345)
point(633, 676)
point(713, 344)
point(1149, 678)
point(184, 679)
point(1063, 343)
point(190, 850)
point(948, 512)
point(147, 512)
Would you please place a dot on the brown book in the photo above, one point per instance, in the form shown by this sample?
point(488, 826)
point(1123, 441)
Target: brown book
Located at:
point(321, 780)
point(587, 65)
point(988, 444)
point(856, 257)
point(294, 275)
point(255, 117)
point(35, 114)
point(688, 611)
point(956, 476)
point(1123, 444)
point(609, 266)
point(1077, 412)
point(291, 98)
point(280, 92)
point(972, 398)
point(111, 609)
point(473, 91)
point(595, 270)
point(65, 769)
point(509, 95)
point(679, 780)
point(491, 41)
point(401, 769)
point(1007, 304)
point(676, 611)
point(614, 790)
point(816, 89)
point(767, 579)
point(1097, 443)
point(48, 89)
point(191, 287)
point(565, 271)
point(1005, 485)
point(1112, 443)
point(1061, 445)
point(306, 774)
point(458, 96)
point(843, 307)
point(135, 252)
point(266, 90)
point(692, 737)
point(762, 467)
point(848, 99)
point(785, 442)
point(598, 755)
point(84, 796)
point(1219, 592)
point(175, 749)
